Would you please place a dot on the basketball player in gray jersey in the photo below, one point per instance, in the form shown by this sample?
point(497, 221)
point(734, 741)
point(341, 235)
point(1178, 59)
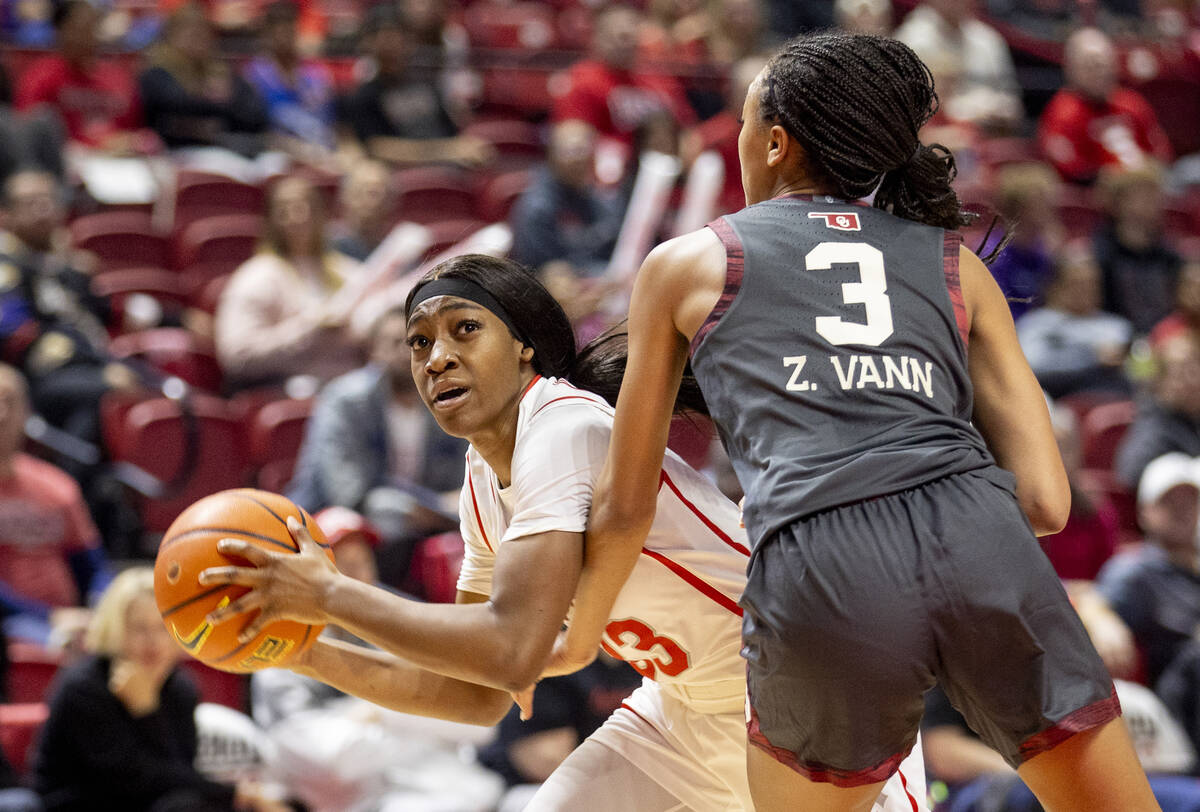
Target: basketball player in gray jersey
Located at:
point(895, 449)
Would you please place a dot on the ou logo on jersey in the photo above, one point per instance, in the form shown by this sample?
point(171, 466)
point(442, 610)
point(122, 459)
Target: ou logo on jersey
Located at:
point(839, 220)
point(649, 653)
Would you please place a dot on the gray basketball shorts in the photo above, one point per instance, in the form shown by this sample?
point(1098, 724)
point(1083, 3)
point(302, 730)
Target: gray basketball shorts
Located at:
point(852, 613)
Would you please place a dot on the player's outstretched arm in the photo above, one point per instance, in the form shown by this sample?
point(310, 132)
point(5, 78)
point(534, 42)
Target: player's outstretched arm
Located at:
point(394, 683)
point(670, 300)
point(1010, 409)
point(503, 643)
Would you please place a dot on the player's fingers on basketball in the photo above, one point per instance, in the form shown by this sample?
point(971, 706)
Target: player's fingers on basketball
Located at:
point(244, 549)
point(248, 602)
point(254, 627)
point(242, 576)
point(300, 533)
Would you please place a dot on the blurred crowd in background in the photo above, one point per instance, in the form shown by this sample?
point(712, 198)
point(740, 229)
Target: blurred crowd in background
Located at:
point(209, 214)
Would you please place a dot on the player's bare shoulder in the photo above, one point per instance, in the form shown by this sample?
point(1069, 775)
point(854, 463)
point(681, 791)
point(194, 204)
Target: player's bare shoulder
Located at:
point(686, 275)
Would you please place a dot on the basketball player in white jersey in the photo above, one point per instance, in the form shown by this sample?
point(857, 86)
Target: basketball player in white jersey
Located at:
point(491, 351)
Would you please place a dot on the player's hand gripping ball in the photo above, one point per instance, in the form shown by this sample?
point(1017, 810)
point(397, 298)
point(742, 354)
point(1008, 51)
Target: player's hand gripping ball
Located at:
point(258, 518)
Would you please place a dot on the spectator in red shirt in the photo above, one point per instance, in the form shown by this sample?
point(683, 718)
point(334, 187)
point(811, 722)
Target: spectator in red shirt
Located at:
point(50, 554)
point(95, 99)
point(608, 92)
point(1092, 122)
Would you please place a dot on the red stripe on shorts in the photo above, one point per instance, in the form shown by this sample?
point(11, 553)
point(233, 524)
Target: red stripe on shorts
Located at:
point(820, 772)
point(1085, 718)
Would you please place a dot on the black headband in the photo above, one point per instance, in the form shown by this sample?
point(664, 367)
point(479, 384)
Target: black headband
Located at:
point(472, 292)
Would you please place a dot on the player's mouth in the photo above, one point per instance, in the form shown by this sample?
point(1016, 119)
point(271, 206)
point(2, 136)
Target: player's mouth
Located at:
point(449, 398)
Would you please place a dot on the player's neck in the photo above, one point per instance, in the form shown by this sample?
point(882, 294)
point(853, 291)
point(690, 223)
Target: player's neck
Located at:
point(800, 186)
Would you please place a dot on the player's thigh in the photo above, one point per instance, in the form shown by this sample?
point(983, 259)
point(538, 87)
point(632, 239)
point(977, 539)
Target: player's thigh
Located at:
point(596, 778)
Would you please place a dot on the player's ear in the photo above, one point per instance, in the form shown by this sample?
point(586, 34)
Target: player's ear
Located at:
point(779, 145)
point(527, 353)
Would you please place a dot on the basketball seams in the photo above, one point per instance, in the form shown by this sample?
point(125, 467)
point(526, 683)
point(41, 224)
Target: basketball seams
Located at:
point(199, 596)
point(228, 531)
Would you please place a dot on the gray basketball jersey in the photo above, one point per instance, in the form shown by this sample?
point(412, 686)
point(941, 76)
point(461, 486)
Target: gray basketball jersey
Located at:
point(834, 364)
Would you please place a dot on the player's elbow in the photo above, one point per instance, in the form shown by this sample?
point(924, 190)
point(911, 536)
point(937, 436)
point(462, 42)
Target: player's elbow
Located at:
point(491, 707)
point(521, 671)
point(1048, 511)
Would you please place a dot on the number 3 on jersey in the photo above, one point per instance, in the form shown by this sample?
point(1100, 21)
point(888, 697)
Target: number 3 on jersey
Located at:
point(650, 654)
point(870, 291)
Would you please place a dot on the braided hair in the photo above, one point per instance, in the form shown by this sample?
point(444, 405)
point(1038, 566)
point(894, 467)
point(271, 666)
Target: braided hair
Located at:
point(855, 103)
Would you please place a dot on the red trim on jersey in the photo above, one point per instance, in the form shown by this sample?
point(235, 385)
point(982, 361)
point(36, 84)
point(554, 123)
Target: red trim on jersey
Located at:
point(820, 772)
point(478, 518)
point(1085, 718)
point(591, 399)
point(735, 268)
point(950, 246)
point(904, 784)
point(528, 386)
point(635, 713)
point(696, 581)
point(709, 523)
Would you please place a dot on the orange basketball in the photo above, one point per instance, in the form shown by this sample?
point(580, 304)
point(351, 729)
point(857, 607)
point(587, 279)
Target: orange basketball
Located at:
point(190, 547)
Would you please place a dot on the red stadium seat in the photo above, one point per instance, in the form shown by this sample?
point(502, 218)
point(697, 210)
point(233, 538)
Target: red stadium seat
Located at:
point(997, 152)
point(522, 26)
point(501, 192)
point(218, 245)
point(1103, 485)
point(202, 194)
point(207, 286)
point(163, 286)
point(31, 669)
point(195, 456)
point(519, 91)
point(1101, 432)
point(433, 571)
point(220, 687)
point(121, 239)
point(19, 726)
point(518, 143)
point(1079, 212)
point(173, 351)
point(275, 434)
point(432, 194)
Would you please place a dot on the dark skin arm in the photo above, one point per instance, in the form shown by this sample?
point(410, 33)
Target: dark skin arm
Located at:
point(502, 643)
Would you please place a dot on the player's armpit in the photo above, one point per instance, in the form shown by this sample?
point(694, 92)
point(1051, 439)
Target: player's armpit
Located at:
point(1010, 408)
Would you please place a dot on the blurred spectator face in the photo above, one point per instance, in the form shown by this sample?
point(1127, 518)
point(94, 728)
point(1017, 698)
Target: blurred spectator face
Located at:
point(366, 196)
point(572, 153)
point(1028, 195)
point(424, 18)
point(355, 557)
point(1090, 63)
point(1178, 386)
point(147, 642)
point(389, 348)
point(658, 132)
point(189, 33)
point(295, 218)
point(1140, 205)
point(954, 12)
point(77, 32)
point(1188, 293)
point(864, 16)
point(1076, 288)
point(390, 48)
point(615, 40)
point(14, 409)
point(1171, 519)
point(33, 210)
point(740, 20)
point(279, 32)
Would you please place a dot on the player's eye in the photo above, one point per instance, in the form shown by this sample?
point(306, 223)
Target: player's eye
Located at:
point(468, 326)
point(418, 342)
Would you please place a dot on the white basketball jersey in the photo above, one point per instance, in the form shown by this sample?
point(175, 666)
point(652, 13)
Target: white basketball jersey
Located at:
point(676, 620)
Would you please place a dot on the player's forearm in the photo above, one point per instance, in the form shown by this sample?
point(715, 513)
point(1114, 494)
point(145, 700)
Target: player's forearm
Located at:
point(391, 682)
point(471, 642)
point(617, 530)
